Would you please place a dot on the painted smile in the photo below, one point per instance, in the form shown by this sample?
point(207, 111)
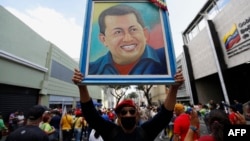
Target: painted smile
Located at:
point(129, 47)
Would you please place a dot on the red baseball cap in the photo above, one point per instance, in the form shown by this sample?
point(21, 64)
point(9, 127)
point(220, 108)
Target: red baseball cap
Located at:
point(124, 103)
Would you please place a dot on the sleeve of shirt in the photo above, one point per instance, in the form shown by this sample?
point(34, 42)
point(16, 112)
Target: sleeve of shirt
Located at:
point(47, 127)
point(155, 125)
point(95, 120)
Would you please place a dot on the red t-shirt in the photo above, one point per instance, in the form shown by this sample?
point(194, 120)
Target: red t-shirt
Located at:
point(181, 126)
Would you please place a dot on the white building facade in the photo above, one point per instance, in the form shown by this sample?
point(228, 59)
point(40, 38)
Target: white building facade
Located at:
point(217, 52)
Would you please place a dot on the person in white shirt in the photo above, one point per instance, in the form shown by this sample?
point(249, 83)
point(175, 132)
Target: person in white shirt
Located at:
point(20, 119)
point(94, 136)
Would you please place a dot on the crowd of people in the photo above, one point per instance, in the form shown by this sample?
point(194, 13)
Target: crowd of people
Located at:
point(44, 124)
point(16, 119)
point(216, 116)
point(127, 121)
point(217, 121)
point(52, 119)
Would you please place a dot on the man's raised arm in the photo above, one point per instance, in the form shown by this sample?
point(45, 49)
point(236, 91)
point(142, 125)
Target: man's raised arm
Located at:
point(84, 94)
point(172, 93)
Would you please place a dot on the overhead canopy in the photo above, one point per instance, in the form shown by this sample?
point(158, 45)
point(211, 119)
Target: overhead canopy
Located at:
point(60, 100)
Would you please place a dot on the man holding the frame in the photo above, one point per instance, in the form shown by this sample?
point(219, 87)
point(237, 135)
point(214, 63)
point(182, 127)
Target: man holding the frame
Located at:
point(123, 32)
point(127, 128)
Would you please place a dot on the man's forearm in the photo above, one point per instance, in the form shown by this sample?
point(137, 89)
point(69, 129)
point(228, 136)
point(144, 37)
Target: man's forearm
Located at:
point(171, 98)
point(189, 136)
point(84, 94)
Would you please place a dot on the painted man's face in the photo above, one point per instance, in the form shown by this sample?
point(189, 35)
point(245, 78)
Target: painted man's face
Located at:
point(125, 38)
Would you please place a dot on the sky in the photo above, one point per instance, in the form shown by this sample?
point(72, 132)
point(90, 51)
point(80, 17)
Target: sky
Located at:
point(61, 21)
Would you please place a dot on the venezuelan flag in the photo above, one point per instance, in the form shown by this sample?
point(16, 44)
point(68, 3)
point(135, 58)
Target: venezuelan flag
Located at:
point(231, 38)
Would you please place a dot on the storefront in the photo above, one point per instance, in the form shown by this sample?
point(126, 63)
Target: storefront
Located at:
point(14, 98)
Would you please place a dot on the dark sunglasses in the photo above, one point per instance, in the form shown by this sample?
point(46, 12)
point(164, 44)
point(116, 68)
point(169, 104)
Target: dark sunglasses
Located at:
point(124, 112)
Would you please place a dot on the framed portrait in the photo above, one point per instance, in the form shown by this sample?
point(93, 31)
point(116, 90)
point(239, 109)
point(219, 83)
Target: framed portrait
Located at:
point(126, 42)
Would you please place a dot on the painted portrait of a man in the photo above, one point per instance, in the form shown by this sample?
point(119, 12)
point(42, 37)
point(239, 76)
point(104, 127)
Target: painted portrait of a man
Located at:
point(127, 39)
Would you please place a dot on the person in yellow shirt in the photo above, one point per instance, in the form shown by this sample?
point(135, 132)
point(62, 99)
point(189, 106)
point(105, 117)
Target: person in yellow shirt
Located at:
point(66, 126)
point(77, 125)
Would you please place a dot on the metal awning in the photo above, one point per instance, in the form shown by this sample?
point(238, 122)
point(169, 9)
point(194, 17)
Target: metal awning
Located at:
point(60, 100)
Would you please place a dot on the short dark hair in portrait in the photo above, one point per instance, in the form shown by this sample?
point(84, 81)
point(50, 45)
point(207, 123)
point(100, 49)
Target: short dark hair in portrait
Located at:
point(118, 11)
